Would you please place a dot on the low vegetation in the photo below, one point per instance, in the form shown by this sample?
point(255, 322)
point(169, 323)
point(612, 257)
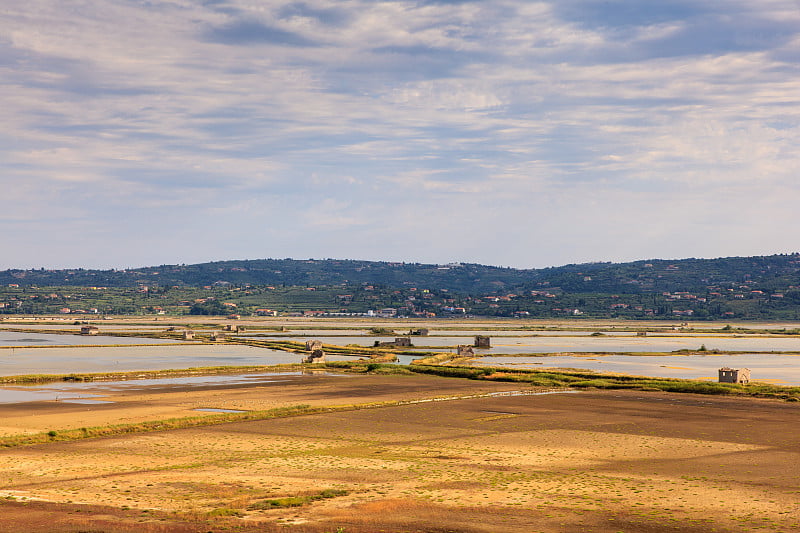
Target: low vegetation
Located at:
point(296, 501)
point(740, 288)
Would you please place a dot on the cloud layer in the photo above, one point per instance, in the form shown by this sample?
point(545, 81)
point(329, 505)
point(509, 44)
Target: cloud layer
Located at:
point(503, 132)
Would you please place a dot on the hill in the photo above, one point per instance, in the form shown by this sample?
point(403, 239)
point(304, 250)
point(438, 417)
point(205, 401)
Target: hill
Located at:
point(763, 287)
point(768, 272)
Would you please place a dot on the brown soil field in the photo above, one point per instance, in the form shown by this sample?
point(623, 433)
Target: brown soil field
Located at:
point(599, 461)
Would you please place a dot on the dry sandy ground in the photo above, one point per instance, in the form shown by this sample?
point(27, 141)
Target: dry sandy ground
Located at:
point(589, 461)
point(158, 402)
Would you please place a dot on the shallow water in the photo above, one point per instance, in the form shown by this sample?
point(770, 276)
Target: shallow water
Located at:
point(20, 395)
point(643, 344)
point(777, 369)
point(75, 391)
point(584, 343)
point(13, 338)
point(23, 361)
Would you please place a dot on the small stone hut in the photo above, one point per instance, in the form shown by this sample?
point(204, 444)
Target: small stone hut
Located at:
point(188, 335)
point(482, 341)
point(316, 356)
point(734, 375)
point(402, 341)
point(89, 330)
point(462, 350)
point(313, 345)
point(398, 341)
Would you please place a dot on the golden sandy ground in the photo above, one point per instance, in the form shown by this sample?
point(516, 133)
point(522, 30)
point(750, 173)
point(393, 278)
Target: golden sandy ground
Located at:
point(588, 461)
point(138, 404)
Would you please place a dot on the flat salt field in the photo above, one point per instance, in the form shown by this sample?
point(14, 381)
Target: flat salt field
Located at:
point(24, 361)
point(75, 392)
point(15, 338)
point(646, 344)
point(586, 343)
point(768, 368)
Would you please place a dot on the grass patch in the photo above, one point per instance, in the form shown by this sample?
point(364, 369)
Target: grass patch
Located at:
point(296, 501)
point(223, 511)
point(584, 380)
point(157, 425)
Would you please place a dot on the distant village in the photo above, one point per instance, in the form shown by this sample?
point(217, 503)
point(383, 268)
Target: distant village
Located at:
point(224, 299)
point(724, 289)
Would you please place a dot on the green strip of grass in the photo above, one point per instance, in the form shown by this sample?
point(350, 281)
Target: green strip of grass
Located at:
point(146, 374)
point(583, 380)
point(156, 425)
point(296, 501)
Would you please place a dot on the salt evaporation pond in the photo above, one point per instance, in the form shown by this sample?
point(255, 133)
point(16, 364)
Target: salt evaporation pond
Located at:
point(14, 338)
point(23, 361)
point(644, 344)
point(770, 368)
point(547, 344)
point(74, 392)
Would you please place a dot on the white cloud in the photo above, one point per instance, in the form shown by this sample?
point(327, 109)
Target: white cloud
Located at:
point(486, 108)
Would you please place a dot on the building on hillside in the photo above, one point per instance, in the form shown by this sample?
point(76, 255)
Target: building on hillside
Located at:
point(734, 375)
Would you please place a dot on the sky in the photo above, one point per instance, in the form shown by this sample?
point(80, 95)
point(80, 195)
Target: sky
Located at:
point(502, 132)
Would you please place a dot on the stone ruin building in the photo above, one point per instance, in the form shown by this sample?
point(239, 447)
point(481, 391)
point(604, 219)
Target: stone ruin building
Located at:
point(89, 330)
point(462, 350)
point(734, 375)
point(313, 345)
point(482, 341)
point(398, 341)
point(188, 335)
point(316, 354)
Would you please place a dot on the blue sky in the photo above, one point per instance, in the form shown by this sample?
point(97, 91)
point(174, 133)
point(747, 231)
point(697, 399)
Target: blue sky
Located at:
point(503, 132)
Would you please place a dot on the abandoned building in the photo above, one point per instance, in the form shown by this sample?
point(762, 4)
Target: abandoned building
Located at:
point(233, 328)
point(734, 375)
point(398, 341)
point(89, 330)
point(216, 336)
point(482, 341)
point(462, 350)
point(313, 345)
point(316, 356)
point(188, 335)
point(422, 332)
